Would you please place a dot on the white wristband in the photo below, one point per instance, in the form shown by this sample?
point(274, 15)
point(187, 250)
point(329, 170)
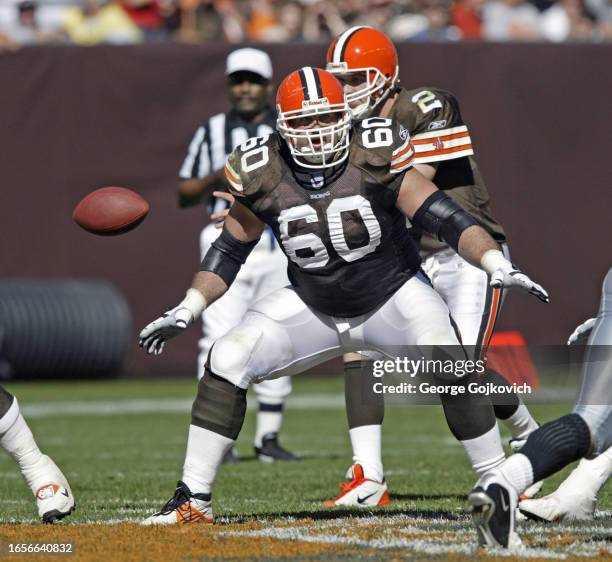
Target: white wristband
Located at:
point(194, 302)
point(492, 260)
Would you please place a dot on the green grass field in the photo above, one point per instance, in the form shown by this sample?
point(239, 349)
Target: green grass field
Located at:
point(121, 444)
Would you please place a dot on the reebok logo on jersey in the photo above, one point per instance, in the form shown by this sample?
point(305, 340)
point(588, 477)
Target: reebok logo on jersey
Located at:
point(436, 125)
point(319, 195)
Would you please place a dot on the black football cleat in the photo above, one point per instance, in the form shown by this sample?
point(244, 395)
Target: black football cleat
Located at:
point(271, 451)
point(493, 507)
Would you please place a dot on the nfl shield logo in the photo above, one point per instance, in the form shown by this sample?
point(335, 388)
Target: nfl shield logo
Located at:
point(438, 144)
point(317, 181)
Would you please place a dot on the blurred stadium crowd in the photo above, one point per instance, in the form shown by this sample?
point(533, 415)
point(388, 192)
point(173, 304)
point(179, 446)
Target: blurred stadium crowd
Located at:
point(88, 22)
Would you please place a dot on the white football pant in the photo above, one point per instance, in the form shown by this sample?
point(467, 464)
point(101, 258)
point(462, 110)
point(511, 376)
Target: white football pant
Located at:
point(473, 303)
point(264, 271)
point(280, 335)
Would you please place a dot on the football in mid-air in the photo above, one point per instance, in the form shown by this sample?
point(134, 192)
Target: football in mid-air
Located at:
point(110, 211)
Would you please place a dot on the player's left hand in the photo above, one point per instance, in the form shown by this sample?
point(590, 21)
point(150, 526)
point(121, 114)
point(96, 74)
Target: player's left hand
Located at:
point(219, 216)
point(510, 278)
point(154, 336)
point(582, 333)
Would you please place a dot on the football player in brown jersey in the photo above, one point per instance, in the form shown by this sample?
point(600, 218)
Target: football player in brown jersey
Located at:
point(365, 61)
point(336, 198)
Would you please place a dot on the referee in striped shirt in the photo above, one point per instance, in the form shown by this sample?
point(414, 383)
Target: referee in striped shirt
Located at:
point(249, 86)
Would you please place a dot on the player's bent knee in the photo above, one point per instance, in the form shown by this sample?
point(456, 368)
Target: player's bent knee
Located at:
point(230, 356)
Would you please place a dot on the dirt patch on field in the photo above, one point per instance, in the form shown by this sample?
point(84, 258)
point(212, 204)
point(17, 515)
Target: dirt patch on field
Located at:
point(293, 540)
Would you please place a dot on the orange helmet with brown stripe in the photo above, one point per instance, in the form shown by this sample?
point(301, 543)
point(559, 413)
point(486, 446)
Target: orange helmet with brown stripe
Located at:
point(313, 118)
point(365, 61)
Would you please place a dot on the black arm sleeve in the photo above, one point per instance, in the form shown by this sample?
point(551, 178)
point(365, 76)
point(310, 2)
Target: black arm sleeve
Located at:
point(226, 256)
point(441, 216)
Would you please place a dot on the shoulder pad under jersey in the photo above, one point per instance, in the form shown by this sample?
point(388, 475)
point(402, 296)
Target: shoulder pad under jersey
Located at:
point(382, 148)
point(253, 166)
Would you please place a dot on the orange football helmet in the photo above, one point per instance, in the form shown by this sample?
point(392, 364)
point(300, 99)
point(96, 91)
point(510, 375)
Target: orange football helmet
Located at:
point(313, 118)
point(370, 52)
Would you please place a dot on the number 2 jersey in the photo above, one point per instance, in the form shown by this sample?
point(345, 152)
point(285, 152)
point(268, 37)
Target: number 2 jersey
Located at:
point(440, 137)
point(347, 244)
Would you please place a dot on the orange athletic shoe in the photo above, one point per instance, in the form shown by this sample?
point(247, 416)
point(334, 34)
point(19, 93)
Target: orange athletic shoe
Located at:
point(361, 492)
point(184, 508)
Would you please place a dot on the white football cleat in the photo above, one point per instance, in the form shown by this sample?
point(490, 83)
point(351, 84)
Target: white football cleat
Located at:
point(576, 497)
point(493, 504)
point(54, 497)
point(360, 491)
point(184, 508)
point(557, 508)
point(532, 491)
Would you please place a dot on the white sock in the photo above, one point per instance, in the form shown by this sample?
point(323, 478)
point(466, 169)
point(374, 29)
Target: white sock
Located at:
point(205, 451)
point(485, 452)
point(518, 471)
point(521, 423)
point(366, 441)
point(267, 422)
point(17, 439)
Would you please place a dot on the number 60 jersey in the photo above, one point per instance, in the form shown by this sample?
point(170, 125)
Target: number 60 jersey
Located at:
point(347, 244)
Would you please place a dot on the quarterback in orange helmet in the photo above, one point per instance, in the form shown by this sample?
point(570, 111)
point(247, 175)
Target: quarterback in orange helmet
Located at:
point(366, 62)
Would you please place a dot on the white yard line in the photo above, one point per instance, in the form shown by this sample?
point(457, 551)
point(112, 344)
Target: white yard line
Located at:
point(34, 410)
point(431, 547)
point(315, 401)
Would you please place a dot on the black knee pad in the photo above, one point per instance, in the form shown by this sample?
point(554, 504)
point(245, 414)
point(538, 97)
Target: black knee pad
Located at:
point(506, 403)
point(556, 444)
point(468, 414)
point(219, 406)
point(363, 405)
point(6, 401)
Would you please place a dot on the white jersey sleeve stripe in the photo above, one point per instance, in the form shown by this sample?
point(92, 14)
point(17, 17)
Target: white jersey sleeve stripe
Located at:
point(402, 147)
point(440, 133)
point(232, 177)
point(439, 157)
point(408, 155)
point(464, 141)
point(402, 168)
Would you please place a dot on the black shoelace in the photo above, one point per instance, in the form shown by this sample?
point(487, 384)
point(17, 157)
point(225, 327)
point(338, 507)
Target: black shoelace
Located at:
point(180, 497)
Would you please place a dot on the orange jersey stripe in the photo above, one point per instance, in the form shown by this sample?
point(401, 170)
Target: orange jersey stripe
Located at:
point(409, 147)
point(231, 176)
point(401, 164)
point(444, 151)
point(492, 318)
point(442, 138)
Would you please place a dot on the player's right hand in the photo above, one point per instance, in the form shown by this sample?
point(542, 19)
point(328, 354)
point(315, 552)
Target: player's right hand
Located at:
point(581, 334)
point(219, 217)
point(154, 336)
point(510, 277)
